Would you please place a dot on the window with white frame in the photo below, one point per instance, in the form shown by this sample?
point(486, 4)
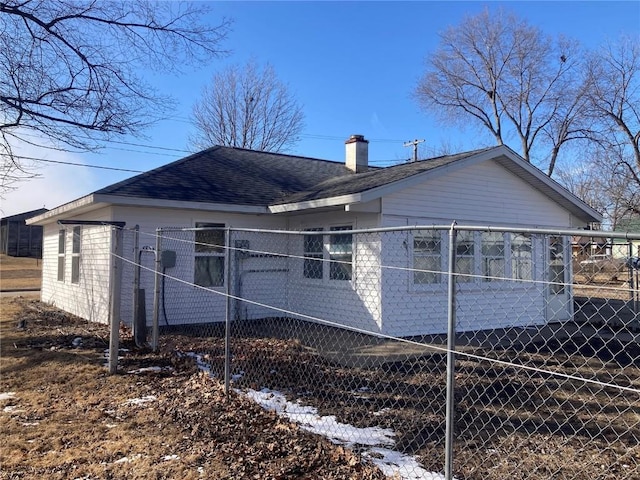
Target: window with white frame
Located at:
point(313, 254)
point(75, 254)
point(340, 254)
point(209, 254)
point(521, 256)
point(480, 257)
point(493, 256)
point(328, 255)
point(427, 257)
point(62, 238)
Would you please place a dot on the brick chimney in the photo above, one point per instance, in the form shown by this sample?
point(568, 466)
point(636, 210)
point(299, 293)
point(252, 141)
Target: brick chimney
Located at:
point(357, 153)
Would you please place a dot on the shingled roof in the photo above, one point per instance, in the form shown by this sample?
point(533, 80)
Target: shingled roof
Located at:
point(261, 182)
point(247, 177)
point(230, 175)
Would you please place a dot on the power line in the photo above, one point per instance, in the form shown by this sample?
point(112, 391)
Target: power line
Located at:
point(79, 164)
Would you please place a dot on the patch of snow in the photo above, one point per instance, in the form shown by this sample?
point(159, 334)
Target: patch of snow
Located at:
point(12, 409)
point(149, 369)
point(30, 424)
point(142, 400)
point(328, 426)
point(7, 395)
point(111, 425)
point(170, 457)
point(381, 412)
point(128, 459)
point(202, 365)
point(237, 376)
point(77, 342)
point(393, 463)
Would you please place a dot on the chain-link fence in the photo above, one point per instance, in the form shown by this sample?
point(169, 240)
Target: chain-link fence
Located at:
point(482, 353)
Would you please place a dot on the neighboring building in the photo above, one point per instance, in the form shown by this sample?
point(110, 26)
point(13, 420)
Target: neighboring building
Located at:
point(17, 239)
point(240, 188)
point(623, 248)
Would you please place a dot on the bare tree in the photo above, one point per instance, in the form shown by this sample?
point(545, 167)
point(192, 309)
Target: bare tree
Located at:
point(509, 78)
point(598, 181)
point(69, 68)
point(247, 107)
point(614, 100)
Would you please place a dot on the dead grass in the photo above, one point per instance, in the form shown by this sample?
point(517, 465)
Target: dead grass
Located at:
point(67, 418)
point(20, 273)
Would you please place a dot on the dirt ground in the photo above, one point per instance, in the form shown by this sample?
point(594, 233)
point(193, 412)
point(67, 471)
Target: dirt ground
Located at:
point(510, 423)
point(63, 417)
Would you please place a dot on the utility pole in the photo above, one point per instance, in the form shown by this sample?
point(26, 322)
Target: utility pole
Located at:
point(415, 148)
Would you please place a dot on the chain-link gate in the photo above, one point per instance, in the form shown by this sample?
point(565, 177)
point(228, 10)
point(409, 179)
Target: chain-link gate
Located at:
point(528, 368)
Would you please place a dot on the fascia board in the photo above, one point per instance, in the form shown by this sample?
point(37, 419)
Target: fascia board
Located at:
point(178, 204)
point(95, 201)
point(322, 202)
point(81, 205)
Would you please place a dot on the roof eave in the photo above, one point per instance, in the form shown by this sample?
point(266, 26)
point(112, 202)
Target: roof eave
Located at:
point(314, 204)
point(118, 200)
point(81, 205)
point(97, 200)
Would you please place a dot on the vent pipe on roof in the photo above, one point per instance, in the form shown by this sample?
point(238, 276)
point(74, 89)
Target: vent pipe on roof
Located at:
point(357, 153)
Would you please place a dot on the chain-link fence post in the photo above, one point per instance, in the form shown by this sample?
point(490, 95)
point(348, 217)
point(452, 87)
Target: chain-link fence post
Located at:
point(227, 325)
point(156, 292)
point(451, 359)
point(115, 276)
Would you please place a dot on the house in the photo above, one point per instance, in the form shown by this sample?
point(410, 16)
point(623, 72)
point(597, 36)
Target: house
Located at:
point(232, 187)
point(17, 239)
point(623, 248)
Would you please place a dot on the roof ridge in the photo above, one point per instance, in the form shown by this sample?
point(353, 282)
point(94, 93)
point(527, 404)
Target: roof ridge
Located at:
point(291, 155)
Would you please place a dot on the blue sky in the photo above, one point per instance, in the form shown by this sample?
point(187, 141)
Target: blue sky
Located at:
point(353, 67)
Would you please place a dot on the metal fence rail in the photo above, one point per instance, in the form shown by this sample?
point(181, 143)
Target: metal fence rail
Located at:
point(474, 352)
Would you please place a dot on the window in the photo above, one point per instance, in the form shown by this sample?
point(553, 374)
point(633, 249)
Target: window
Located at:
point(521, 256)
point(209, 255)
point(340, 254)
point(75, 255)
point(492, 256)
point(556, 265)
point(61, 248)
point(465, 256)
point(427, 257)
point(313, 254)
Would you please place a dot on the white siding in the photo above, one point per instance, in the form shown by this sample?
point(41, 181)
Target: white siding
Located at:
point(89, 298)
point(485, 194)
point(381, 296)
point(181, 303)
point(355, 303)
point(410, 310)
